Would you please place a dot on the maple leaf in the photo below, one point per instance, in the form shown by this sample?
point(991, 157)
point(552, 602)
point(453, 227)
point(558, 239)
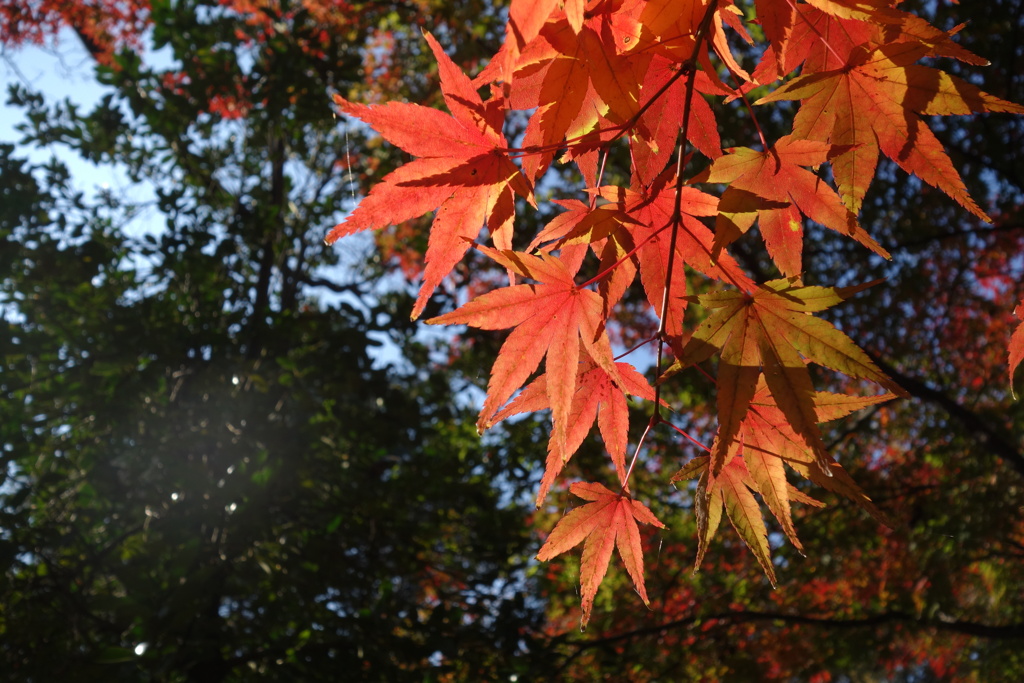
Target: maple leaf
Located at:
point(1016, 346)
point(732, 489)
point(551, 319)
point(599, 396)
point(527, 17)
point(575, 82)
point(599, 227)
point(607, 522)
point(525, 20)
point(874, 104)
point(769, 440)
point(768, 185)
point(772, 329)
point(807, 45)
point(464, 172)
point(874, 11)
point(776, 19)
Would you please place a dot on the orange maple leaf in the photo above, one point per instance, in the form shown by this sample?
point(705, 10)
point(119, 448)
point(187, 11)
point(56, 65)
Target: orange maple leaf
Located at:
point(575, 83)
point(464, 171)
point(600, 397)
point(873, 11)
point(874, 104)
point(847, 25)
point(648, 212)
point(671, 27)
point(642, 216)
point(607, 522)
point(769, 441)
point(551, 319)
point(599, 227)
point(776, 19)
point(771, 186)
point(805, 45)
point(732, 489)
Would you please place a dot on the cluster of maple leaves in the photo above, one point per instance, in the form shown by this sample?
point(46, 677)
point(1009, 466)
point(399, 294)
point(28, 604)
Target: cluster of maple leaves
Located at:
point(646, 74)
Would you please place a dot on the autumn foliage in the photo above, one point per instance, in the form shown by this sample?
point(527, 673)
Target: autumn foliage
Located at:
point(647, 75)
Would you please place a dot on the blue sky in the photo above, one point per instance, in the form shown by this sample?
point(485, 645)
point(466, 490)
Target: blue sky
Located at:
point(64, 69)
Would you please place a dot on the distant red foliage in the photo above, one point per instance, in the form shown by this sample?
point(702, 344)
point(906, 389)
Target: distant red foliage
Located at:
point(311, 23)
point(104, 26)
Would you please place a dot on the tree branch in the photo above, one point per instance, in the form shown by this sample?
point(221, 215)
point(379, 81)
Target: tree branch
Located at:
point(313, 281)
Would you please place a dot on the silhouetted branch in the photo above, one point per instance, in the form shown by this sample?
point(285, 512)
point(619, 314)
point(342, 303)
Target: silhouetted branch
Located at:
point(1004, 631)
point(998, 444)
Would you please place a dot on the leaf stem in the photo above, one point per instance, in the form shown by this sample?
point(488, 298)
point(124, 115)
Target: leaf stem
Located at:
point(625, 353)
point(753, 117)
point(686, 435)
point(636, 453)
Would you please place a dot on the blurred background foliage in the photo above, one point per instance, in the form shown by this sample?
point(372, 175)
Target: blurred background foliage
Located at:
point(227, 454)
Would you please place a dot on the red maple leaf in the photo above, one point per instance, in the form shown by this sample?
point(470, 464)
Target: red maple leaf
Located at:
point(1016, 345)
point(664, 117)
point(642, 216)
point(464, 172)
point(607, 522)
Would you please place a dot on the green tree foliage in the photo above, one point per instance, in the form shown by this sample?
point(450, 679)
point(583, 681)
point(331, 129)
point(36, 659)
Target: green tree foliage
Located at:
point(206, 476)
